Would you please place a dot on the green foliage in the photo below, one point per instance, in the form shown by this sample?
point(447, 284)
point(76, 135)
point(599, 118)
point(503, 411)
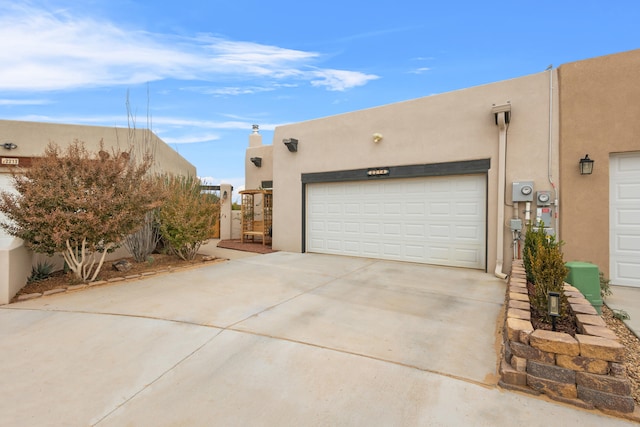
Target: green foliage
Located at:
point(549, 273)
point(79, 204)
point(620, 314)
point(187, 216)
point(544, 265)
point(41, 271)
point(533, 238)
point(605, 289)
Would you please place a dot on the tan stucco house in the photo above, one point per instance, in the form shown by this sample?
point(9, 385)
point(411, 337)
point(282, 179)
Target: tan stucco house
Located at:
point(453, 179)
point(21, 141)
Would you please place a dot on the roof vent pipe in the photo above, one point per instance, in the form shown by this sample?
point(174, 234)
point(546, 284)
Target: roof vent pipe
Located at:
point(503, 117)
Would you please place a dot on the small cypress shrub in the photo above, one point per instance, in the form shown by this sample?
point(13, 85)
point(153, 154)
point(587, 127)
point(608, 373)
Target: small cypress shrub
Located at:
point(549, 273)
point(532, 239)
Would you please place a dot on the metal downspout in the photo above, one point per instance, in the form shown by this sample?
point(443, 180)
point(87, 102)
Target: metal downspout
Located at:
point(503, 116)
point(556, 190)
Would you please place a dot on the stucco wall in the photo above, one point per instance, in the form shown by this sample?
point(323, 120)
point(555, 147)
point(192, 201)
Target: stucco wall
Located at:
point(255, 175)
point(32, 138)
point(599, 115)
point(453, 126)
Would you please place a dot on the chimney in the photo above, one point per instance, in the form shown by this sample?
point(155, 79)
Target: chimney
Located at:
point(255, 139)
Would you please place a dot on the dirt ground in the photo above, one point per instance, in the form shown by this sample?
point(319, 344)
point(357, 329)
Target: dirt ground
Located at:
point(157, 262)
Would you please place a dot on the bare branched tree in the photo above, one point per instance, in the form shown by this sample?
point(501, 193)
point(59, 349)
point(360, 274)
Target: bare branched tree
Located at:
point(143, 142)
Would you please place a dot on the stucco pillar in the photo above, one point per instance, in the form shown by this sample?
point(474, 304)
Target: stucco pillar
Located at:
point(15, 267)
point(225, 211)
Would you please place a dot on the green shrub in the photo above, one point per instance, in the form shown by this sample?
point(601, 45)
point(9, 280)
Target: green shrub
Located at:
point(40, 272)
point(620, 314)
point(605, 289)
point(533, 238)
point(186, 217)
point(549, 273)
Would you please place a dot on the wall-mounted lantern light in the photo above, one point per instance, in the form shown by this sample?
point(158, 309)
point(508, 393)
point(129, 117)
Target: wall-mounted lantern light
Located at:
point(9, 146)
point(554, 307)
point(256, 161)
point(586, 165)
point(292, 144)
point(225, 195)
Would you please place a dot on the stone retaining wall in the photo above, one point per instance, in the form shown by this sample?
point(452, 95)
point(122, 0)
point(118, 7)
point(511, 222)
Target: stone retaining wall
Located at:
point(586, 371)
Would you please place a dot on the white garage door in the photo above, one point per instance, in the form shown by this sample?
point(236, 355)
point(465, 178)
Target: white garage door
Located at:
point(434, 220)
point(624, 219)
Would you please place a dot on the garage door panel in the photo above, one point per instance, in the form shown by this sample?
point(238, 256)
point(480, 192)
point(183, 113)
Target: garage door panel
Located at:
point(371, 209)
point(334, 226)
point(392, 249)
point(624, 217)
point(352, 247)
point(415, 208)
point(352, 209)
point(439, 232)
point(467, 233)
point(628, 244)
point(467, 209)
point(414, 231)
point(392, 230)
point(318, 226)
point(442, 208)
point(392, 209)
point(628, 192)
point(628, 217)
point(628, 270)
point(436, 220)
point(439, 253)
point(352, 227)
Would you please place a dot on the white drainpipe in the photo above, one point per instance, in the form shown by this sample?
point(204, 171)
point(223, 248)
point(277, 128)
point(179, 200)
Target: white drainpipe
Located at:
point(503, 117)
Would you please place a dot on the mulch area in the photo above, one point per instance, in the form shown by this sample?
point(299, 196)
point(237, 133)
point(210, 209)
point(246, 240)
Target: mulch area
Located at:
point(237, 245)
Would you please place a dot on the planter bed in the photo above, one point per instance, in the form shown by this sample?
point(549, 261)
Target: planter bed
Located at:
point(586, 370)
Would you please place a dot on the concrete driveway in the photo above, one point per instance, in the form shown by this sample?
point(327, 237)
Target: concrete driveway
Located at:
point(273, 340)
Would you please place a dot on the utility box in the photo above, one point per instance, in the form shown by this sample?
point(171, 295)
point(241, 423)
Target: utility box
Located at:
point(586, 277)
point(522, 191)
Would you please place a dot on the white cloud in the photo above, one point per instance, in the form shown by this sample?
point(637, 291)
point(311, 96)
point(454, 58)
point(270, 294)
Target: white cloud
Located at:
point(236, 183)
point(164, 126)
point(421, 70)
point(10, 102)
point(190, 139)
point(339, 80)
point(58, 51)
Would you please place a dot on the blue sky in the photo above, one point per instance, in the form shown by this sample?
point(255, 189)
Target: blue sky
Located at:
point(207, 70)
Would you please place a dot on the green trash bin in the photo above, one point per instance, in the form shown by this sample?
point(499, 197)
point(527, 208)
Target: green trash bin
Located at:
point(586, 277)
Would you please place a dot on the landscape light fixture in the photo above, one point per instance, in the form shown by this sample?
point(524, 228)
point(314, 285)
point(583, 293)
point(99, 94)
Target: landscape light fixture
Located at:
point(292, 144)
point(554, 307)
point(256, 161)
point(586, 165)
point(9, 146)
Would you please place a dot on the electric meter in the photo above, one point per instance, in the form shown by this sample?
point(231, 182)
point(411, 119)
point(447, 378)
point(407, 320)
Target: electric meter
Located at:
point(522, 191)
point(544, 198)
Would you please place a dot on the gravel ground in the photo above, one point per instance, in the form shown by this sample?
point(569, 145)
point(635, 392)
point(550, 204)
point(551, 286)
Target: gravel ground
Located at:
point(632, 345)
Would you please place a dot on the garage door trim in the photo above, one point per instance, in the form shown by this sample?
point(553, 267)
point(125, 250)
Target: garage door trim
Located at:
point(406, 171)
